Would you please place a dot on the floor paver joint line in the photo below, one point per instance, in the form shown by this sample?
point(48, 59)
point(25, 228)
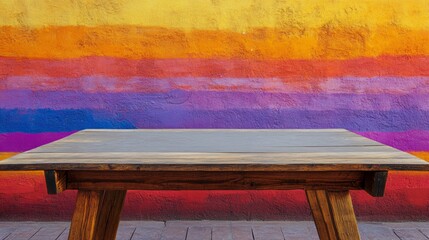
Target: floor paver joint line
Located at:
point(61, 233)
point(256, 230)
point(426, 235)
point(132, 234)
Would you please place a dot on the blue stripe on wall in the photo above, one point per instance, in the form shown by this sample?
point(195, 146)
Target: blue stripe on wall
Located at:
point(47, 120)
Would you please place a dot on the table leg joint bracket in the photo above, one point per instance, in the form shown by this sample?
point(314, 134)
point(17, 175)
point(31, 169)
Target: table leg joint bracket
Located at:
point(375, 183)
point(56, 181)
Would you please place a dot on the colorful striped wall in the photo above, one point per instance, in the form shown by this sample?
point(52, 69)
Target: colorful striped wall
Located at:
point(71, 65)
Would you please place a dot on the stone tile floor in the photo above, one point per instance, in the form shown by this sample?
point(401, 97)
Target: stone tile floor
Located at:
point(216, 230)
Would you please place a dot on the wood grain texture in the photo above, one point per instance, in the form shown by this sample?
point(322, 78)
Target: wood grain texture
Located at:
point(195, 180)
point(375, 183)
point(56, 181)
point(321, 214)
point(343, 214)
point(333, 214)
point(96, 215)
point(215, 150)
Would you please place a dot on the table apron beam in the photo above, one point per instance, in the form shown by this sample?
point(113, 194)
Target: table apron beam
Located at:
point(196, 180)
point(372, 182)
point(375, 183)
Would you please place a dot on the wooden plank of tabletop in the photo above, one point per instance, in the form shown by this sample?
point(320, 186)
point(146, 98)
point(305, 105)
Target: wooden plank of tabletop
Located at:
point(215, 150)
point(205, 141)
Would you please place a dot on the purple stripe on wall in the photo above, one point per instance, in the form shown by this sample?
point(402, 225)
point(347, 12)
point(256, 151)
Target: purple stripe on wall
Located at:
point(415, 140)
point(25, 99)
point(20, 142)
point(390, 85)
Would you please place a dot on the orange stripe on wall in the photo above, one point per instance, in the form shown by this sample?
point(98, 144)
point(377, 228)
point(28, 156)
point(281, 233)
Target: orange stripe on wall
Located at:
point(422, 155)
point(7, 174)
point(19, 174)
point(143, 42)
point(4, 155)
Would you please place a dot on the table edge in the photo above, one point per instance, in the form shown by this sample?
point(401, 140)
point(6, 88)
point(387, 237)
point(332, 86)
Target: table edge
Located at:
point(215, 167)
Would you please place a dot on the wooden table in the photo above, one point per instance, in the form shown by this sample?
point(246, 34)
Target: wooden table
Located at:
point(103, 164)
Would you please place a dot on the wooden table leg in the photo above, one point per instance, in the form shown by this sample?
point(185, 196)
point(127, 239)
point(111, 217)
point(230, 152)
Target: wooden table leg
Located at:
point(96, 215)
point(333, 214)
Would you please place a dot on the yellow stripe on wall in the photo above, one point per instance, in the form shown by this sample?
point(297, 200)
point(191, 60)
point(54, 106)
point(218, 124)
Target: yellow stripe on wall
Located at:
point(217, 14)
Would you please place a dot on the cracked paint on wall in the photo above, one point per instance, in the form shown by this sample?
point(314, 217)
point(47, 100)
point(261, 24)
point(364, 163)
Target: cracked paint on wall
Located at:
point(71, 65)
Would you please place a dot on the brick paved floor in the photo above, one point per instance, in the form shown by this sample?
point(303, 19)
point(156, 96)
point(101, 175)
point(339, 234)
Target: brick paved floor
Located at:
point(216, 230)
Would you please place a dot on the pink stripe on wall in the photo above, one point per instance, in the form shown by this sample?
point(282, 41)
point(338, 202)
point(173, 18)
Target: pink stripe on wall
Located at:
point(105, 84)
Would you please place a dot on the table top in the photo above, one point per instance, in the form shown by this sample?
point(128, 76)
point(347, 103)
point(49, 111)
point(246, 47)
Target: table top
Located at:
point(215, 150)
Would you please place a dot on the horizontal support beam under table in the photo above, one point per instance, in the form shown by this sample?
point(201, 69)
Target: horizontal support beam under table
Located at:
point(372, 182)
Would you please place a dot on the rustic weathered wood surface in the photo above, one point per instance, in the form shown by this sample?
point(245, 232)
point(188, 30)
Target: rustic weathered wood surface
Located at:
point(56, 181)
point(220, 230)
point(215, 150)
point(173, 180)
point(103, 164)
point(375, 183)
point(96, 215)
point(333, 214)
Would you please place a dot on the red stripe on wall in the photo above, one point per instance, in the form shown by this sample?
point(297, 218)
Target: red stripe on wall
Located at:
point(107, 66)
point(406, 198)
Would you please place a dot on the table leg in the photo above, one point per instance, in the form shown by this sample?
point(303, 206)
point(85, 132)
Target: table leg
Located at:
point(96, 215)
point(333, 214)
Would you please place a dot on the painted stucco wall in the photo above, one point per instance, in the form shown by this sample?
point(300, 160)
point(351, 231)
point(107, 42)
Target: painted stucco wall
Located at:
point(70, 65)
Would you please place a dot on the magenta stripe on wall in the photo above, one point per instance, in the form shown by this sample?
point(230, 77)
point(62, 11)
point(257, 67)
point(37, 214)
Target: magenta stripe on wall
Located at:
point(20, 142)
point(414, 140)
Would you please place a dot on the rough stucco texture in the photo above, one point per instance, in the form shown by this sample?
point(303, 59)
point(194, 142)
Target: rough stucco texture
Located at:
point(71, 65)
